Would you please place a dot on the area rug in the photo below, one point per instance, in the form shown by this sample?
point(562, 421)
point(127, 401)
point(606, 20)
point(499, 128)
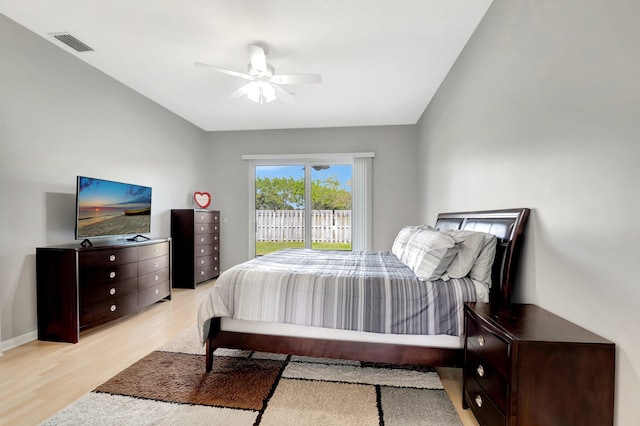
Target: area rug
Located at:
point(170, 387)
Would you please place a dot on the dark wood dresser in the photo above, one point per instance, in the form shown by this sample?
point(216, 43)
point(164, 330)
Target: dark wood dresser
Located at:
point(527, 366)
point(196, 246)
point(82, 287)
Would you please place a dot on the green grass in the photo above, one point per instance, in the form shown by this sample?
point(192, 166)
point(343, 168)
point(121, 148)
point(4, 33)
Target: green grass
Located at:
point(266, 247)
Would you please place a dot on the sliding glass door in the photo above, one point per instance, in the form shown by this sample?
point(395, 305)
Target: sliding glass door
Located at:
point(303, 205)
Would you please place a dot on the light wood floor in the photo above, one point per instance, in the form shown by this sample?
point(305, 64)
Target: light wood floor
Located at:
point(40, 378)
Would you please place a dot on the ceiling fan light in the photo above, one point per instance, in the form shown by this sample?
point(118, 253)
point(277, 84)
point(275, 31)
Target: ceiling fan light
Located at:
point(261, 92)
point(253, 92)
point(268, 92)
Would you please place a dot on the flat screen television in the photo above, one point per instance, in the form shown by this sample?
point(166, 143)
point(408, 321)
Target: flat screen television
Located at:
point(106, 208)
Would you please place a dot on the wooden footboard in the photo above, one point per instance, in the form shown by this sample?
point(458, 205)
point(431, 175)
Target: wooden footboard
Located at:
point(326, 348)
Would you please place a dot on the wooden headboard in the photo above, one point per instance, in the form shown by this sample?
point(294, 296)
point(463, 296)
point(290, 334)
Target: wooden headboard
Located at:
point(508, 226)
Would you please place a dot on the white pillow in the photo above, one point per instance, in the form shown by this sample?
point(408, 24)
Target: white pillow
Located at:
point(401, 240)
point(428, 253)
point(468, 251)
point(481, 270)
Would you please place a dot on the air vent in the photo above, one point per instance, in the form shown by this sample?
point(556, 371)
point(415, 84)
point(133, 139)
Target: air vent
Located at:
point(73, 42)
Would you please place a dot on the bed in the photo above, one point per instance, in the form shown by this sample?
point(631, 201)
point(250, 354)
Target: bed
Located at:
point(362, 321)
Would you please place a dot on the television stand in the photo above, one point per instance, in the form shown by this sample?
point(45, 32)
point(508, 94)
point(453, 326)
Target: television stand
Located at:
point(82, 287)
point(138, 238)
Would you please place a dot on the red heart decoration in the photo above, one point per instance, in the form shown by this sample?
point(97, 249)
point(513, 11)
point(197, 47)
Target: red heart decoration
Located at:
point(202, 199)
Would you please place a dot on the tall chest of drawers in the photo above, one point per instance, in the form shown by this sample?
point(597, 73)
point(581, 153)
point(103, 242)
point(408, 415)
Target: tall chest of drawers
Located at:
point(527, 366)
point(196, 246)
point(79, 288)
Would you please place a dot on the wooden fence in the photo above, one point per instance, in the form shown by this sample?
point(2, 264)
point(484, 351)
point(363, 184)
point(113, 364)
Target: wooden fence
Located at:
point(332, 226)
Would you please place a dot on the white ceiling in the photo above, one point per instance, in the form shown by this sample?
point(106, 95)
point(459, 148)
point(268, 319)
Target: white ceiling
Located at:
point(381, 60)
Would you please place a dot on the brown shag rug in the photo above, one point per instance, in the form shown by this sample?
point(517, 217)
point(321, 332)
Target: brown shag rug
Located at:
point(170, 387)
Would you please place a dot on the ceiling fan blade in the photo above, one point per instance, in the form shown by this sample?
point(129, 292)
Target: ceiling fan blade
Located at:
point(258, 57)
point(224, 71)
point(240, 92)
point(284, 96)
point(296, 79)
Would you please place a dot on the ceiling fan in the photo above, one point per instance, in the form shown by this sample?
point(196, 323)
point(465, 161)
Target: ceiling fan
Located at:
point(264, 84)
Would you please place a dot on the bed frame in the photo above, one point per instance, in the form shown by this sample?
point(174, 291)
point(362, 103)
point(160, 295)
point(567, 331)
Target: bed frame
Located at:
point(508, 225)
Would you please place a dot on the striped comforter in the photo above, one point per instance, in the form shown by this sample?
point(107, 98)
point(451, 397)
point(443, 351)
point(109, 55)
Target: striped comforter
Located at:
point(362, 291)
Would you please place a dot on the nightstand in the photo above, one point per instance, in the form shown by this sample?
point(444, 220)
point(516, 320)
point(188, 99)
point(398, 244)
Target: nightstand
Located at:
point(527, 366)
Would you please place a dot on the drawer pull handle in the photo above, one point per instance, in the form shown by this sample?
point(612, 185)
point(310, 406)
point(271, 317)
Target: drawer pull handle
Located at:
point(201, 272)
point(156, 264)
point(112, 274)
point(202, 262)
point(480, 371)
point(157, 291)
point(215, 248)
point(155, 251)
point(156, 278)
point(112, 258)
point(201, 217)
point(113, 308)
point(478, 401)
point(215, 227)
point(202, 239)
point(201, 250)
point(112, 291)
point(202, 228)
point(481, 340)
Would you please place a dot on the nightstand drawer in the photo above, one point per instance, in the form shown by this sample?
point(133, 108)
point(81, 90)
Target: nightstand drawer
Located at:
point(490, 347)
point(483, 408)
point(487, 377)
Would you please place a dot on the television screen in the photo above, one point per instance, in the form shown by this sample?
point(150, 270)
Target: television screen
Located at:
point(105, 208)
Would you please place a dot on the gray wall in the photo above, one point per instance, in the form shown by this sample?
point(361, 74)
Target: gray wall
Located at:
point(541, 110)
point(60, 118)
point(395, 189)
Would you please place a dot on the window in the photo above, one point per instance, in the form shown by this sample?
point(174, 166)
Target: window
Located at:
point(313, 201)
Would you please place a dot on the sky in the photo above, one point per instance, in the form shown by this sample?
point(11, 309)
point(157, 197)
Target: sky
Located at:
point(341, 171)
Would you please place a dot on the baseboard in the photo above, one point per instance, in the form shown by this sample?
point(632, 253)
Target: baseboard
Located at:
point(18, 341)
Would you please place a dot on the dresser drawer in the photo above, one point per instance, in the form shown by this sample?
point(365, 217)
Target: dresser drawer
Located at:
point(95, 276)
point(91, 295)
point(153, 250)
point(153, 278)
point(207, 250)
point(110, 256)
point(493, 350)
point(206, 217)
point(151, 265)
point(206, 273)
point(107, 311)
point(204, 239)
point(494, 384)
point(483, 408)
point(206, 228)
point(151, 295)
point(202, 261)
